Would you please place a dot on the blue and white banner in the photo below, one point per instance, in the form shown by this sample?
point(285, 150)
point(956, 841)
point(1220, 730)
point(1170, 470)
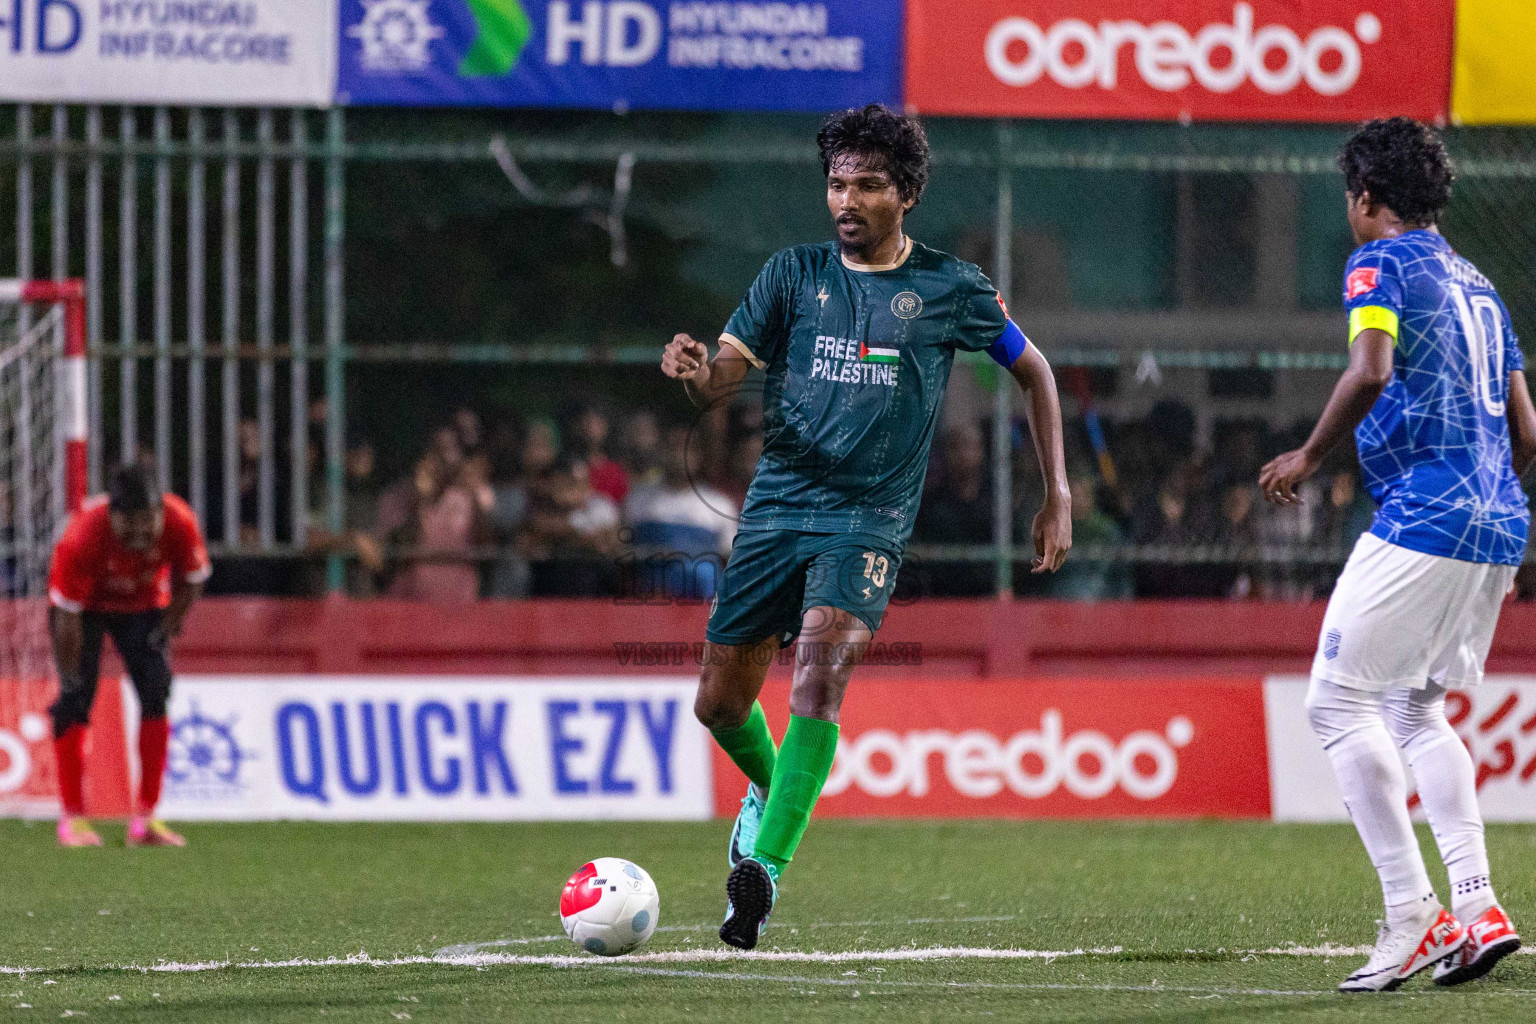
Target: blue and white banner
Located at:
point(386, 748)
point(620, 54)
point(183, 52)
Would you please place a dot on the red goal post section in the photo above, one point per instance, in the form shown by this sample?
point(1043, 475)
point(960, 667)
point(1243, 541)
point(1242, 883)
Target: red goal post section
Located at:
point(69, 293)
point(27, 784)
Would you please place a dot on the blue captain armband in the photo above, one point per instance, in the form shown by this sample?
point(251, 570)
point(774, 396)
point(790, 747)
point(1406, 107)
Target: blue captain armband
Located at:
point(1009, 345)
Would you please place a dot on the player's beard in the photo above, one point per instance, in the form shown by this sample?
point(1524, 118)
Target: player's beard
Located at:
point(859, 237)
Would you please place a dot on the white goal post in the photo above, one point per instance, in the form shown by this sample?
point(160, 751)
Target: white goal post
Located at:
point(42, 482)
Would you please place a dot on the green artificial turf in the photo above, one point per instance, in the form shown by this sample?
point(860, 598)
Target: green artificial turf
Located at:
point(1180, 915)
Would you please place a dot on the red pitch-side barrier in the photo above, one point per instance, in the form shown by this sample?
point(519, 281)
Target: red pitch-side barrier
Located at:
point(932, 639)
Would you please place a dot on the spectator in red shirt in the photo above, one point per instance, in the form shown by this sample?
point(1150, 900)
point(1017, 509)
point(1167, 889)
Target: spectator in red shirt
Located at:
point(129, 565)
point(586, 439)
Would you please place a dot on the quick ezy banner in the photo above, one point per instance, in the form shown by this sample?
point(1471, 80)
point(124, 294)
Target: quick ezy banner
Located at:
point(457, 748)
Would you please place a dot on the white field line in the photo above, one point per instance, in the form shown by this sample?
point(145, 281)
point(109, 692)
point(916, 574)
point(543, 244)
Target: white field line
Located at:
point(465, 948)
point(874, 985)
point(680, 956)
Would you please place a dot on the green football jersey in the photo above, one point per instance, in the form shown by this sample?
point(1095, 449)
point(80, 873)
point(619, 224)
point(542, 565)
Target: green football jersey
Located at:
point(856, 359)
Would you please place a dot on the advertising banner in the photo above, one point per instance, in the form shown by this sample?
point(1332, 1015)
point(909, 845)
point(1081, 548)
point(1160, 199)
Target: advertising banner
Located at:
point(415, 748)
point(1300, 60)
point(208, 52)
point(29, 785)
point(1046, 748)
point(1497, 722)
point(620, 54)
point(1495, 76)
point(378, 748)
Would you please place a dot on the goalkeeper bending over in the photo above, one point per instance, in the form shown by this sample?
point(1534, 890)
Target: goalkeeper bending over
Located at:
point(856, 338)
point(129, 565)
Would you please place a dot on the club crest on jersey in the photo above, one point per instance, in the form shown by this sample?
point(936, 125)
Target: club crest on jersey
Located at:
point(1360, 281)
point(907, 305)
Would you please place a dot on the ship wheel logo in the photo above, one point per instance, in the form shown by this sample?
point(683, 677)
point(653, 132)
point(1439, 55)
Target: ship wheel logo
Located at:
point(204, 750)
point(396, 35)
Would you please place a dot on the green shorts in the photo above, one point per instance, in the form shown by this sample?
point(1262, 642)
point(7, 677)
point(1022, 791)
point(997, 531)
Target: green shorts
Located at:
point(773, 576)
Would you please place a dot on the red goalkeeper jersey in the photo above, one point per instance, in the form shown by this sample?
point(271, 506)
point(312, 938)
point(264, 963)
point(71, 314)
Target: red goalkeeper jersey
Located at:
point(92, 571)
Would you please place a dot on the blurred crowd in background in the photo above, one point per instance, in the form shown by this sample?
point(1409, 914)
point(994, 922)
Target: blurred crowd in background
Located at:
point(601, 501)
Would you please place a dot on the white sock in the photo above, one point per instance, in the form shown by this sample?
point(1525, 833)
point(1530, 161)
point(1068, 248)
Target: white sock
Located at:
point(1447, 785)
point(1370, 778)
point(1471, 898)
point(1400, 915)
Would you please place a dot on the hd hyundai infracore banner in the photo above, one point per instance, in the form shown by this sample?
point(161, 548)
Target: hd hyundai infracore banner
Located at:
point(213, 52)
point(620, 54)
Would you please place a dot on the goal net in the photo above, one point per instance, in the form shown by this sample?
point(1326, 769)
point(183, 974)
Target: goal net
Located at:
point(38, 401)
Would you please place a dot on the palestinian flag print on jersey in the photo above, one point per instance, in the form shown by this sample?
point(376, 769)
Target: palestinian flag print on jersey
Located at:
point(873, 354)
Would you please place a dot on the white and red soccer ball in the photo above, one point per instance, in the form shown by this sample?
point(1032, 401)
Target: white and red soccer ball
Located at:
point(610, 906)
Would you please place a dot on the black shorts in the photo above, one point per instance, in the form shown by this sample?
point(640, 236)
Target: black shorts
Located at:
point(147, 666)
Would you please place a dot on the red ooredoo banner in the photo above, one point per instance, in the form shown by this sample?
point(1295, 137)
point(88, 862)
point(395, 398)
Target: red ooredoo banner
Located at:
point(1050, 748)
point(28, 786)
point(1303, 60)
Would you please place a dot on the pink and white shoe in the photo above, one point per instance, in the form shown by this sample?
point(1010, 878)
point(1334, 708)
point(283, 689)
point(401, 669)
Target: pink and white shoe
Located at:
point(145, 831)
point(1401, 953)
point(75, 831)
point(1490, 939)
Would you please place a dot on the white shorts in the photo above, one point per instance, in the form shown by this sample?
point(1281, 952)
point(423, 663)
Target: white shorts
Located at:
point(1404, 618)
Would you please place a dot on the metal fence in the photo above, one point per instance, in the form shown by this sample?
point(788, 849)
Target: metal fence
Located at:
point(213, 302)
point(230, 227)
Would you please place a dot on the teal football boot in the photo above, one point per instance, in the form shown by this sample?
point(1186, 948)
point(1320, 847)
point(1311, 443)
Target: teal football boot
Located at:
point(748, 821)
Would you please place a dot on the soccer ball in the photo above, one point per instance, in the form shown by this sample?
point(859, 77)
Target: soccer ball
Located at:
point(610, 906)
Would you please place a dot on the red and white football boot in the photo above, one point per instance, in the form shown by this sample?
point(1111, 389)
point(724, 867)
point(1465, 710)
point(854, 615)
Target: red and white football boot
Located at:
point(1401, 953)
point(1489, 939)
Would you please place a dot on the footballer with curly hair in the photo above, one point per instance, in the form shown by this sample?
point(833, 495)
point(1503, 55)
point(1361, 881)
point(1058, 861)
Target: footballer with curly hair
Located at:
point(855, 338)
point(1435, 394)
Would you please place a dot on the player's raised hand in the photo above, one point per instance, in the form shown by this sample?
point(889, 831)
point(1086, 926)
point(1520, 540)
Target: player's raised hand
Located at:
point(1053, 536)
point(685, 359)
point(1279, 477)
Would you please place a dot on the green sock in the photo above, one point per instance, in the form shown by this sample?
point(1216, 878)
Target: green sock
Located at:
point(750, 745)
point(805, 761)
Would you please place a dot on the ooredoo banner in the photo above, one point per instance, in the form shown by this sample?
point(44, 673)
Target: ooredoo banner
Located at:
point(1057, 748)
point(620, 54)
point(380, 748)
point(28, 777)
point(196, 52)
point(1306, 60)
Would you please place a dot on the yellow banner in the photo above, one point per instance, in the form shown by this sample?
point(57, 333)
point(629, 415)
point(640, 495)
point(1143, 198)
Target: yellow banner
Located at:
point(1495, 66)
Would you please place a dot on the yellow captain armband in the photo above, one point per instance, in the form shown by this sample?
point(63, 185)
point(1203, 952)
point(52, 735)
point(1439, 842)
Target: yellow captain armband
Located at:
point(1366, 318)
